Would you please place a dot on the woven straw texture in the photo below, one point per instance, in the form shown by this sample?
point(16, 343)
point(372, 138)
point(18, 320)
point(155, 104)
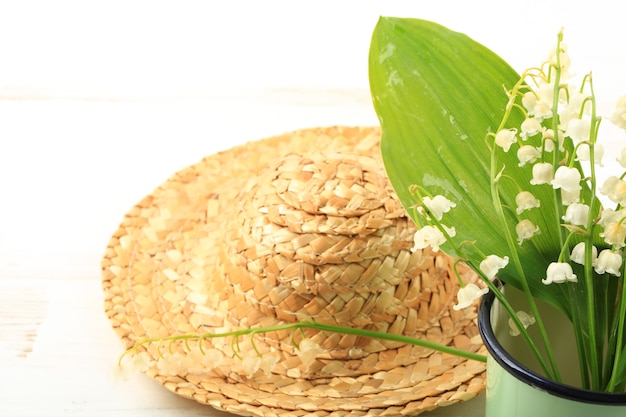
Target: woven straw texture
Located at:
point(303, 225)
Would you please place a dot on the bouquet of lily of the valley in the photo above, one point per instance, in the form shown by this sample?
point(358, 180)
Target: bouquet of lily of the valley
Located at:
point(500, 170)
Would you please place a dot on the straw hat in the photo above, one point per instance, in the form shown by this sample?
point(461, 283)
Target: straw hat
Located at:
point(303, 225)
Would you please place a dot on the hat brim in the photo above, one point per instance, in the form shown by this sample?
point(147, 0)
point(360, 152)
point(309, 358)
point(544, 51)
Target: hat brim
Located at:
point(159, 281)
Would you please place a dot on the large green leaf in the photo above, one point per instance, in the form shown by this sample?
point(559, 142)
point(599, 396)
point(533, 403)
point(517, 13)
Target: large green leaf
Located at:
point(437, 93)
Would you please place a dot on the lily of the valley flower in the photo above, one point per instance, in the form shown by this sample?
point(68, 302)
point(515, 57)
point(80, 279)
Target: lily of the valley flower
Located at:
point(622, 158)
point(608, 261)
point(567, 179)
point(578, 254)
point(578, 130)
point(525, 230)
point(570, 197)
point(525, 200)
point(577, 214)
point(492, 264)
point(609, 216)
point(438, 205)
point(431, 236)
point(308, 350)
point(559, 272)
point(619, 115)
point(539, 109)
point(614, 234)
point(505, 138)
point(468, 294)
point(583, 153)
point(547, 137)
point(542, 173)
point(526, 320)
point(530, 127)
point(564, 60)
point(527, 154)
point(615, 189)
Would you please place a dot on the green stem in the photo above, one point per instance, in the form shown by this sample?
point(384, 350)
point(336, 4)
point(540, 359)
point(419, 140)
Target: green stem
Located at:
point(552, 373)
point(619, 342)
point(579, 335)
point(594, 358)
point(395, 338)
point(309, 324)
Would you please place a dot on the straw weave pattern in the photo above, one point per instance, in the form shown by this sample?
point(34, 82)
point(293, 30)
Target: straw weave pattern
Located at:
point(299, 226)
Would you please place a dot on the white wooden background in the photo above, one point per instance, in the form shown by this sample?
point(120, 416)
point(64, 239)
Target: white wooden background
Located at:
point(102, 101)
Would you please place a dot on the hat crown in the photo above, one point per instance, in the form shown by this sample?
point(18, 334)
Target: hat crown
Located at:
point(323, 236)
point(330, 193)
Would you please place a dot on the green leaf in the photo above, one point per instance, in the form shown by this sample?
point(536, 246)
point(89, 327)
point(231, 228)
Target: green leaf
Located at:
point(437, 94)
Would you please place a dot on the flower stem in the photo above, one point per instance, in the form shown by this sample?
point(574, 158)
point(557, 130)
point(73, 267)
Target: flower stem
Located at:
point(619, 341)
point(594, 360)
point(553, 371)
point(309, 324)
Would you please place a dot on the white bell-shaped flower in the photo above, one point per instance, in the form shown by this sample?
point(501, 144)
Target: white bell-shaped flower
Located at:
point(542, 111)
point(525, 200)
point(609, 184)
point(614, 234)
point(547, 137)
point(468, 294)
point(570, 197)
point(567, 179)
point(577, 214)
point(431, 236)
point(622, 158)
point(542, 173)
point(524, 318)
point(609, 261)
point(583, 153)
point(578, 130)
point(438, 205)
point(492, 264)
point(530, 127)
point(619, 115)
point(559, 272)
point(527, 154)
point(609, 216)
point(505, 138)
point(529, 101)
point(578, 254)
point(308, 350)
point(525, 229)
